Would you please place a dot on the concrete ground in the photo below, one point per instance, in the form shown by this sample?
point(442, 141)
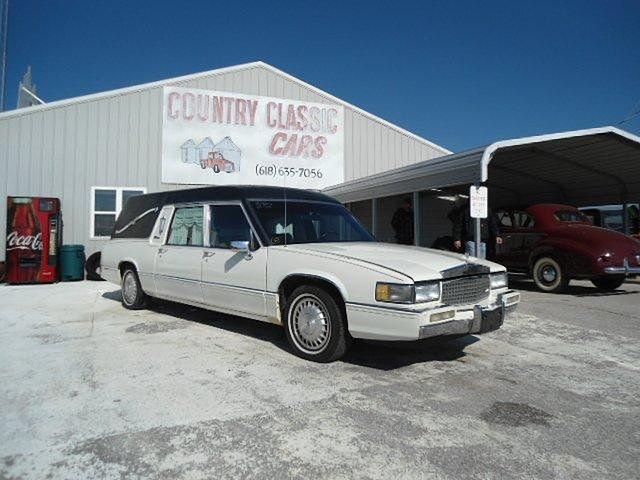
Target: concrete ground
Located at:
point(91, 390)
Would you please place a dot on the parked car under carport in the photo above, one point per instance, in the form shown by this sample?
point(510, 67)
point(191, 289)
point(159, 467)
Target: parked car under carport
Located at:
point(555, 243)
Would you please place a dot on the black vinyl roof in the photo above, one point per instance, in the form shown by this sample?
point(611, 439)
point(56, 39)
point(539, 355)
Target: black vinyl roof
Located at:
point(238, 192)
point(140, 212)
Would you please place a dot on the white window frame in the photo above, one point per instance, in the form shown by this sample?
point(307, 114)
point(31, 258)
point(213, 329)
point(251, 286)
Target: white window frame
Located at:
point(93, 212)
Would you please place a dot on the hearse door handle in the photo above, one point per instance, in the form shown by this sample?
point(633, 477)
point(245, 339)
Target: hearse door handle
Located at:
point(207, 254)
point(162, 250)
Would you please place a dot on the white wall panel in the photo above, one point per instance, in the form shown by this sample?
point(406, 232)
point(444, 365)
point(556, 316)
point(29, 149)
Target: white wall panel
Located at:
point(115, 140)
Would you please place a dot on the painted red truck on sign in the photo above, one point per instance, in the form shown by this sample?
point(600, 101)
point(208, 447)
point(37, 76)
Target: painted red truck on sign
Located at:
point(217, 162)
point(556, 243)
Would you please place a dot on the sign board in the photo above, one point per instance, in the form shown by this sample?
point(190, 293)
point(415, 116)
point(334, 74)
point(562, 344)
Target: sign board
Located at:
point(223, 138)
point(478, 202)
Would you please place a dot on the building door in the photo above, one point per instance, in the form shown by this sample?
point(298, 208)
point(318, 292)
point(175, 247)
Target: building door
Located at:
point(233, 280)
point(178, 262)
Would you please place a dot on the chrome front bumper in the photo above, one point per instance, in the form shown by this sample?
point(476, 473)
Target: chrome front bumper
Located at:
point(485, 319)
point(624, 270)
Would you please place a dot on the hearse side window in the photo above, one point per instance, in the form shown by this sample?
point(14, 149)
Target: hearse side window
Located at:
point(186, 227)
point(228, 224)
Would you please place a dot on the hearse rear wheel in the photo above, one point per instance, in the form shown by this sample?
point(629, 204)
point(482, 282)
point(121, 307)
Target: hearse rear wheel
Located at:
point(608, 284)
point(133, 297)
point(549, 276)
point(315, 326)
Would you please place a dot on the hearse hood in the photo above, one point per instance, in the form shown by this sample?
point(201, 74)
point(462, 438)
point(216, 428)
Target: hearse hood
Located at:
point(415, 262)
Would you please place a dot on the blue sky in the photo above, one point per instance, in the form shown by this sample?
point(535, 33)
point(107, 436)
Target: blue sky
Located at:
point(461, 74)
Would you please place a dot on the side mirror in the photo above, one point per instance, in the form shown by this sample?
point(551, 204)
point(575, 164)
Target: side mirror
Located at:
point(240, 246)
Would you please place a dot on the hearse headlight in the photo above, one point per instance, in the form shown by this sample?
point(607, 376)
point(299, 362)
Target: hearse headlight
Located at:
point(427, 292)
point(394, 293)
point(499, 280)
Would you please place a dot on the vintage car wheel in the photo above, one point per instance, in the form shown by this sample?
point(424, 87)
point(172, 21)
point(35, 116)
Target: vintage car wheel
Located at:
point(133, 297)
point(315, 326)
point(216, 169)
point(549, 276)
point(608, 284)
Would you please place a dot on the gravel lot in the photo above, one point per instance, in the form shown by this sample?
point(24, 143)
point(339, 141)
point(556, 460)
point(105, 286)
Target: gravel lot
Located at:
point(91, 390)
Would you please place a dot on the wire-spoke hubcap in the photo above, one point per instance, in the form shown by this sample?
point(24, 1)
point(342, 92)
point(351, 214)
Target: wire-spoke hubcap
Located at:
point(309, 324)
point(129, 288)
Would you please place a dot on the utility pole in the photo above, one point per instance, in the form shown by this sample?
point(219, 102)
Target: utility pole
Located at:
point(4, 27)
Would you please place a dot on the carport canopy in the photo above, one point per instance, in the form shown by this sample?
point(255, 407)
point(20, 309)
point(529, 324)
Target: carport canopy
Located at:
point(595, 166)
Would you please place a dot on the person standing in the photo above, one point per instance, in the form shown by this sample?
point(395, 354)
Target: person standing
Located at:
point(463, 232)
point(402, 223)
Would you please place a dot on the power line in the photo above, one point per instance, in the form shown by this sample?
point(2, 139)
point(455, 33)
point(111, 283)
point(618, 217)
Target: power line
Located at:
point(4, 27)
point(635, 111)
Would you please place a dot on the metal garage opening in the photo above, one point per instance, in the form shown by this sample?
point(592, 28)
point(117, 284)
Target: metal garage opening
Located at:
point(596, 166)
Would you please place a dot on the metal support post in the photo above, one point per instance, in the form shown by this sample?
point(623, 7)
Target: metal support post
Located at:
point(417, 217)
point(374, 216)
point(476, 235)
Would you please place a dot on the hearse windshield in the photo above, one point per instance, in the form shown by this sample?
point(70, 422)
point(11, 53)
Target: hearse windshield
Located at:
point(308, 222)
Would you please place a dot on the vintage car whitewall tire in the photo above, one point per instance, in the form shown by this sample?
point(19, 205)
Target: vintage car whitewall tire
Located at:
point(133, 297)
point(549, 275)
point(315, 325)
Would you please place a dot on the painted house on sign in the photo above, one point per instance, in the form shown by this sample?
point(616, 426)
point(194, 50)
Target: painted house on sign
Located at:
point(189, 152)
point(229, 151)
point(204, 147)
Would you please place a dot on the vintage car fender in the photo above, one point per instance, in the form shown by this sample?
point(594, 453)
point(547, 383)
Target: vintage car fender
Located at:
point(565, 250)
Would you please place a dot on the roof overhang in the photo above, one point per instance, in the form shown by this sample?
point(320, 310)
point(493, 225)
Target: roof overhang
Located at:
point(592, 166)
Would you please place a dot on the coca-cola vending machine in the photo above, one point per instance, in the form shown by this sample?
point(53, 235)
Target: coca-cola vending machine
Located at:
point(34, 235)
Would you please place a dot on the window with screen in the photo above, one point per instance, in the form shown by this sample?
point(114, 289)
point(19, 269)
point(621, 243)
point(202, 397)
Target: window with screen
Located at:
point(186, 227)
point(107, 202)
point(228, 224)
point(504, 219)
point(523, 219)
point(571, 216)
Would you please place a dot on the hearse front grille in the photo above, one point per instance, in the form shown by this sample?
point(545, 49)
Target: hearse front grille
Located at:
point(466, 290)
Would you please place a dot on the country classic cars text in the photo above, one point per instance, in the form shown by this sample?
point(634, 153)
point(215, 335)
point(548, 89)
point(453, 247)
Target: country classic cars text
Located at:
point(299, 130)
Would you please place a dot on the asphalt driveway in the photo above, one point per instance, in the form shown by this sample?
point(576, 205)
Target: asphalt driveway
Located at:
point(91, 390)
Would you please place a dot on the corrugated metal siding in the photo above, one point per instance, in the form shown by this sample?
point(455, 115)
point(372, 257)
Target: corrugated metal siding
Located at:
point(116, 141)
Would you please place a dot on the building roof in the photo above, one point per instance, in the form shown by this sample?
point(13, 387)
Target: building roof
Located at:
point(195, 76)
point(582, 167)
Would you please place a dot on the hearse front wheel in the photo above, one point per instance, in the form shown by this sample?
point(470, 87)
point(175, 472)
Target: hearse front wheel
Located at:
point(133, 297)
point(608, 284)
point(315, 325)
point(549, 276)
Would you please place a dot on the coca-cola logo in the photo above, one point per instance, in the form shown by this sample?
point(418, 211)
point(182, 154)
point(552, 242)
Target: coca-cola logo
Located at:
point(24, 242)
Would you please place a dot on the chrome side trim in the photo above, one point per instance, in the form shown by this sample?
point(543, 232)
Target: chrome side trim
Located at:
point(225, 285)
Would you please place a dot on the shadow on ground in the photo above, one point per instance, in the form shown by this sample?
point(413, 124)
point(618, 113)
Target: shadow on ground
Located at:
point(377, 355)
point(575, 290)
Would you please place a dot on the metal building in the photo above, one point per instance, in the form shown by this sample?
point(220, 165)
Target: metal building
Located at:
point(94, 151)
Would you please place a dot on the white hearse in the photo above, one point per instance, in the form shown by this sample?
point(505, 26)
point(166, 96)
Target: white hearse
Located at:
point(301, 260)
